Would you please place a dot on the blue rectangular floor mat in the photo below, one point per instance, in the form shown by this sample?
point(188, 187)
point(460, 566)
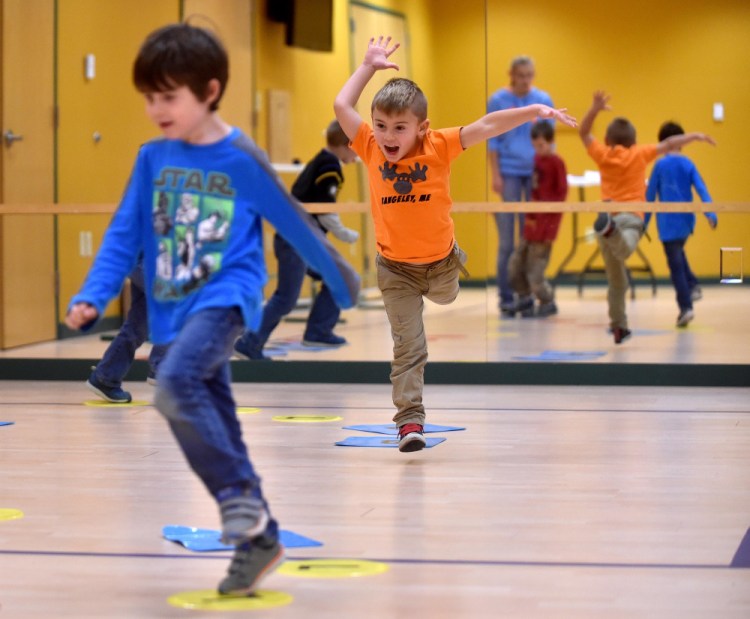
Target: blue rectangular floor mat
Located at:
point(206, 540)
point(377, 441)
point(390, 428)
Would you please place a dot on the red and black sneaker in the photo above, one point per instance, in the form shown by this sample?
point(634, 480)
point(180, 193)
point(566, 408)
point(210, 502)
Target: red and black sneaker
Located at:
point(621, 334)
point(411, 437)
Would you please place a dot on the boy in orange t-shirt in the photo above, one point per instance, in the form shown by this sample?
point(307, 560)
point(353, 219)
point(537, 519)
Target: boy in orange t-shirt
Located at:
point(622, 164)
point(408, 166)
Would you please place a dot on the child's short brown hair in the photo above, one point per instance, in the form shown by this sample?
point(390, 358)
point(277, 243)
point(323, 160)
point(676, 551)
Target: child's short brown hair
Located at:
point(544, 130)
point(668, 129)
point(181, 55)
point(400, 94)
point(620, 132)
point(335, 135)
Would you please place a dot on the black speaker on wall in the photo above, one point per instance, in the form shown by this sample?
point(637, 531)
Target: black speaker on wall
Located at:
point(309, 23)
point(279, 10)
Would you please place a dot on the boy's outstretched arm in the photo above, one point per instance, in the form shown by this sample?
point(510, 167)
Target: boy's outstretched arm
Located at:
point(674, 142)
point(600, 103)
point(376, 58)
point(498, 122)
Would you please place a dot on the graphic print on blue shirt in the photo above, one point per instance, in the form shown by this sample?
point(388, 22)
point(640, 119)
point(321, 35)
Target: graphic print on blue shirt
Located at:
point(192, 230)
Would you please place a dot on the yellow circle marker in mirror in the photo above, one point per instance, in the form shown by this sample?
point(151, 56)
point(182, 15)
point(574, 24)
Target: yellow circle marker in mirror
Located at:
point(209, 599)
point(305, 418)
point(503, 334)
point(332, 568)
point(247, 410)
point(10, 514)
point(697, 329)
point(105, 404)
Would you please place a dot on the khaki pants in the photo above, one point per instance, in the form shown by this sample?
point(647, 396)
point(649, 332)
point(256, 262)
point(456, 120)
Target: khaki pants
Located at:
point(616, 249)
point(404, 286)
point(526, 268)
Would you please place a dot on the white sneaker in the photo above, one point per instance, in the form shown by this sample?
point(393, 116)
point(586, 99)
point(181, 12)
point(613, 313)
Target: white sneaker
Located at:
point(684, 318)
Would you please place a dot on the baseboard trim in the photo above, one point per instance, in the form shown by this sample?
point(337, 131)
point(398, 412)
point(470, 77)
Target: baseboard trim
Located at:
point(438, 372)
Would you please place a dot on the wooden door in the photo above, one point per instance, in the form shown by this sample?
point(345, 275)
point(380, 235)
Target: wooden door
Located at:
point(27, 260)
point(101, 119)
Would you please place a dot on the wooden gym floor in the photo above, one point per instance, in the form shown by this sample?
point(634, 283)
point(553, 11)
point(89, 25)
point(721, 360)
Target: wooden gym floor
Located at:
point(553, 502)
point(570, 502)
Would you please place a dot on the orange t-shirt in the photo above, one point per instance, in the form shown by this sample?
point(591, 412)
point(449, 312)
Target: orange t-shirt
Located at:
point(623, 170)
point(410, 199)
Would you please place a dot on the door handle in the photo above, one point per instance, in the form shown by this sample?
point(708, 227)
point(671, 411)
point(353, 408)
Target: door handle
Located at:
point(11, 137)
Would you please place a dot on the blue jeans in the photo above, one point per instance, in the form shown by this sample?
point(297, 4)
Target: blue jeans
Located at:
point(515, 189)
point(118, 357)
point(194, 394)
point(683, 278)
point(292, 269)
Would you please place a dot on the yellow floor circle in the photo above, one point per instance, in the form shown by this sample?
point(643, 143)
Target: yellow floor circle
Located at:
point(10, 514)
point(332, 568)
point(105, 404)
point(306, 418)
point(210, 599)
point(247, 410)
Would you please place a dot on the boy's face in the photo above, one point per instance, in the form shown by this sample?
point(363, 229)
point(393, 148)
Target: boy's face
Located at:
point(179, 113)
point(397, 135)
point(541, 146)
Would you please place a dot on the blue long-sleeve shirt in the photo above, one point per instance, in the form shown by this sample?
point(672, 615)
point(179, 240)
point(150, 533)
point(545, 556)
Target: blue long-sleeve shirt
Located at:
point(672, 180)
point(195, 211)
point(514, 146)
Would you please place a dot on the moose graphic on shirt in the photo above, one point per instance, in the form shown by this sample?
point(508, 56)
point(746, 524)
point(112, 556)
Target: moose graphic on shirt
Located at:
point(403, 180)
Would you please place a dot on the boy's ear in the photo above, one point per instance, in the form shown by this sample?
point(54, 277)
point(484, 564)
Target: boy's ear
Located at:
point(213, 90)
point(423, 127)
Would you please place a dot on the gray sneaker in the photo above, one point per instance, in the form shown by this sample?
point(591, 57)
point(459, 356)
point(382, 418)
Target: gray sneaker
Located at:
point(685, 317)
point(242, 518)
point(546, 309)
point(604, 224)
point(249, 566)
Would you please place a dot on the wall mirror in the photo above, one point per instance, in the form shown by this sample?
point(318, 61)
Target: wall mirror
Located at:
point(460, 56)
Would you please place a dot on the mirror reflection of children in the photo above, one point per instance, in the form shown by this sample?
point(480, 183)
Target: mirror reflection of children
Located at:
point(511, 159)
point(672, 180)
point(408, 165)
point(107, 376)
point(530, 259)
point(622, 164)
point(320, 181)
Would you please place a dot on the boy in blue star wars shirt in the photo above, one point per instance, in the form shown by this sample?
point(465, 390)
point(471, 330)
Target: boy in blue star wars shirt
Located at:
point(194, 206)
